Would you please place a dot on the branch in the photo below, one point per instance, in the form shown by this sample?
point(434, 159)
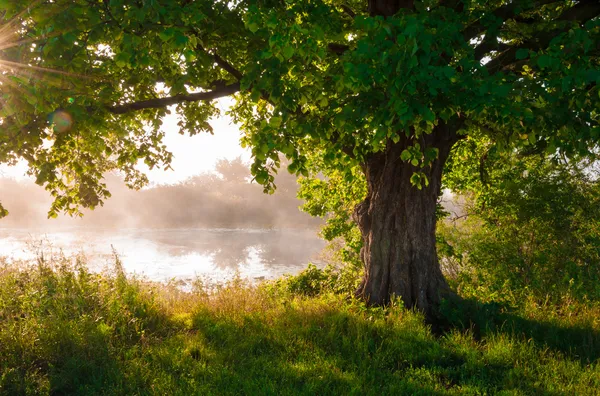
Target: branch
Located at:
point(219, 92)
point(227, 66)
point(456, 5)
point(489, 45)
point(348, 11)
point(581, 13)
point(505, 12)
point(388, 8)
point(337, 48)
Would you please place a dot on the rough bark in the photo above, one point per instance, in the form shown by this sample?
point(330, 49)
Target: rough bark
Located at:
point(397, 222)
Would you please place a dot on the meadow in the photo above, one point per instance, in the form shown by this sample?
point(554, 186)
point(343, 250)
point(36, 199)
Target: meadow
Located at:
point(66, 330)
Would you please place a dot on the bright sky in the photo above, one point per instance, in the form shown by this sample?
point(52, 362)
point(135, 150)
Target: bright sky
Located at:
point(191, 154)
point(199, 153)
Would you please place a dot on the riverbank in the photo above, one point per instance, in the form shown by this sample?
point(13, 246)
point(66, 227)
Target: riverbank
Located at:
point(65, 330)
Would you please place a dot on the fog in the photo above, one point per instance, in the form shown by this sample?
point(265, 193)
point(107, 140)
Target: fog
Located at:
point(214, 255)
point(211, 225)
point(225, 198)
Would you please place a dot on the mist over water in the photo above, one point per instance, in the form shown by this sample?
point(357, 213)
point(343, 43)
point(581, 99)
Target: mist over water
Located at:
point(223, 199)
point(211, 225)
point(182, 254)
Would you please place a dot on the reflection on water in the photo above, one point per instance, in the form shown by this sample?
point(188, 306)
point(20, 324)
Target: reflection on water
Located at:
point(162, 254)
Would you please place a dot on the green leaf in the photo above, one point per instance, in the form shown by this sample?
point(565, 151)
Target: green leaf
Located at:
point(70, 37)
point(522, 53)
point(428, 115)
point(405, 155)
point(292, 167)
point(502, 90)
point(122, 59)
point(544, 61)
point(181, 39)
point(449, 72)
point(264, 148)
point(166, 34)
point(415, 180)
point(415, 48)
point(288, 51)
point(261, 178)
point(275, 122)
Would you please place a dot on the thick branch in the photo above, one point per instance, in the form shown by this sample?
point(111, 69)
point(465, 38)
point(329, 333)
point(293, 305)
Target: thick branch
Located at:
point(504, 13)
point(223, 64)
point(456, 5)
point(219, 92)
point(388, 8)
point(489, 45)
point(581, 13)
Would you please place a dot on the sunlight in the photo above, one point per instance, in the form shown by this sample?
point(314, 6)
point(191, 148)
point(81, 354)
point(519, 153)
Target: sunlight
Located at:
point(7, 29)
point(11, 33)
point(38, 68)
point(22, 73)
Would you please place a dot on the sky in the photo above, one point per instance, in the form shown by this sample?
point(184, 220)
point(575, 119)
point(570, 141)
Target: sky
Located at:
point(191, 154)
point(199, 153)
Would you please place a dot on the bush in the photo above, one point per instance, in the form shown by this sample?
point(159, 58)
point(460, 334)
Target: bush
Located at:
point(534, 230)
point(314, 281)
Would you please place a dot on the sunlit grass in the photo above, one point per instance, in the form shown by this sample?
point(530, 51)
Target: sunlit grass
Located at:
point(66, 330)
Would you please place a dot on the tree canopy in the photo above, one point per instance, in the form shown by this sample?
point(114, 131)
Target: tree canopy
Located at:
point(84, 83)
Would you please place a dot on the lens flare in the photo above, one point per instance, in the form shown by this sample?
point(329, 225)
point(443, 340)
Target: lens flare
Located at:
point(61, 121)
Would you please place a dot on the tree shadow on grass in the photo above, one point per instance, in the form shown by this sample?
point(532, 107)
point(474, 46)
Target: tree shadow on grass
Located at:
point(579, 341)
point(334, 353)
point(317, 351)
point(65, 363)
point(317, 356)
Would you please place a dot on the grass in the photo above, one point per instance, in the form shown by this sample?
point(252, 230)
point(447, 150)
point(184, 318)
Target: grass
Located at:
point(64, 330)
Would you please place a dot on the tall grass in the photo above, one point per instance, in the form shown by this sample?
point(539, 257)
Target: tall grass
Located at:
point(65, 330)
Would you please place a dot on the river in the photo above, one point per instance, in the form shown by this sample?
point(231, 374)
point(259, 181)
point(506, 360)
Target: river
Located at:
point(181, 255)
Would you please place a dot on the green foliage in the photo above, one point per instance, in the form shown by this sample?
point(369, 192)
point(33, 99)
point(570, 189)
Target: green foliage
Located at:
point(333, 196)
point(313, 281)
point(532, 229)
point(84, 88)
point(66, 330)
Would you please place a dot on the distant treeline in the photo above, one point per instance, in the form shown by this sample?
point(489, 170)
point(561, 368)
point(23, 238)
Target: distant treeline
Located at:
point(226, 198)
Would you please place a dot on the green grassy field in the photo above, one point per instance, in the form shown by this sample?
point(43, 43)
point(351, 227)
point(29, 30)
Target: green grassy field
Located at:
point(64, 330)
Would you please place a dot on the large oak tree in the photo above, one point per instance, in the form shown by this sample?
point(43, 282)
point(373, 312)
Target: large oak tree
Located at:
point(386, 85)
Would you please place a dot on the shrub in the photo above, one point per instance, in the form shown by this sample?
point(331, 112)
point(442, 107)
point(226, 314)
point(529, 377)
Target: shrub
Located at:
point(535, 229)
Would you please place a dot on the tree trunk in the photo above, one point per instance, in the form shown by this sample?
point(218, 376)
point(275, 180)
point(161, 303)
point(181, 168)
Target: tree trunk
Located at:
point(397, 221)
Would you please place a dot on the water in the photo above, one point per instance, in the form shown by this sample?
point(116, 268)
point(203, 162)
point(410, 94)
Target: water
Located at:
point(174, 254)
